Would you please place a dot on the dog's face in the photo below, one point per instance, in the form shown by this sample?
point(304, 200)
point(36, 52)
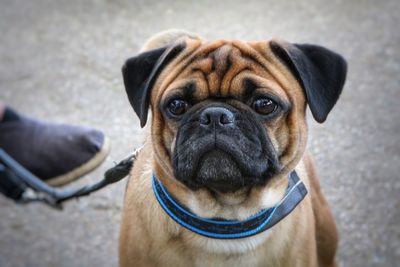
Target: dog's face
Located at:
point(229, 115)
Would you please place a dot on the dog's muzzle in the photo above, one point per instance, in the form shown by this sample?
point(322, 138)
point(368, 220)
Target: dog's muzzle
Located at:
point(223, 148)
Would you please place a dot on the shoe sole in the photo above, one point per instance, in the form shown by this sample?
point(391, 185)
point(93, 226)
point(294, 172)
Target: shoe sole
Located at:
point(83, 169)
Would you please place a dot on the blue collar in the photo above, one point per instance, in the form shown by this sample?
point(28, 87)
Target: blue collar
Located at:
point(230, 229)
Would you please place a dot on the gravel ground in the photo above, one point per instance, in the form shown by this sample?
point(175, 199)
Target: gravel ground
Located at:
point(60, 61)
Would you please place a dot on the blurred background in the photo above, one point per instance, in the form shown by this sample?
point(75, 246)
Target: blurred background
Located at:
point(61, 61)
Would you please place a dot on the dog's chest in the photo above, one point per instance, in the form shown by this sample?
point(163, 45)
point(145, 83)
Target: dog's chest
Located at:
point(201, 251)
point(199, 258)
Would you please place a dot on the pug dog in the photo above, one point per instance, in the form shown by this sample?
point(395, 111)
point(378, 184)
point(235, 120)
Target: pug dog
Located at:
point(224, 177)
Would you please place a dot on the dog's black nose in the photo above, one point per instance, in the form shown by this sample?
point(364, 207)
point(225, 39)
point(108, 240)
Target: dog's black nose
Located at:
point(217, 116)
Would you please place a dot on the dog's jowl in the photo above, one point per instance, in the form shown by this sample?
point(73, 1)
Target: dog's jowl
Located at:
point(224, 177)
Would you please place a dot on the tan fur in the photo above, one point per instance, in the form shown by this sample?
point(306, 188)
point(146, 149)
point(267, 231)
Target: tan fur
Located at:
point(148, 237)
point(165, 38)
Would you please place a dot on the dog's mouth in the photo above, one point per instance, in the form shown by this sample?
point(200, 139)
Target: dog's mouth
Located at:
point(218, 171)
point(222, 169)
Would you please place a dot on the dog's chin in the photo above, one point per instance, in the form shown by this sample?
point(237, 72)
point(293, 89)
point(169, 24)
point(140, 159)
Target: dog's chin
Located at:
point(219, 172)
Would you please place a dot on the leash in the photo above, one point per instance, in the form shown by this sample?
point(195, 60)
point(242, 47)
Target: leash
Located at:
point(21, 185)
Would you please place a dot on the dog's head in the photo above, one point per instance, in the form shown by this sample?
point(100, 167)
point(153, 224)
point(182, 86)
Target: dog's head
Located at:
point(229, 115)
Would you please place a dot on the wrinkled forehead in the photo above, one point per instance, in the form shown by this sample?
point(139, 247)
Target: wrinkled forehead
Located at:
point(225, 68)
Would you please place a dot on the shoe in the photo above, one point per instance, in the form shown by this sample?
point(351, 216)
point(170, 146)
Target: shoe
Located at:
point(56, 153)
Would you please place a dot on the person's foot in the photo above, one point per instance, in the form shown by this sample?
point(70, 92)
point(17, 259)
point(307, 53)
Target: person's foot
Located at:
point(56, 153)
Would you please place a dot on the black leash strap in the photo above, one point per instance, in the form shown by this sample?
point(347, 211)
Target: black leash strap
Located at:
point(21, 185)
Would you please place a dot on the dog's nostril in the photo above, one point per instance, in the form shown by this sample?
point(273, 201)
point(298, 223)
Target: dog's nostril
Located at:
point(216, 115)
point(226, 118)
point(205, 119)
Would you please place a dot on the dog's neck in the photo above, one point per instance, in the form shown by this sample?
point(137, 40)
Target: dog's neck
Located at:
point(228, 229)
point(230, 206)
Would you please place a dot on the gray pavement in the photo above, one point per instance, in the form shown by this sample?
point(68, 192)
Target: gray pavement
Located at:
point(60, 61)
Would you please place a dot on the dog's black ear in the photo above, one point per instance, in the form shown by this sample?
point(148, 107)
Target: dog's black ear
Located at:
point(321, 73)
point(141, 72)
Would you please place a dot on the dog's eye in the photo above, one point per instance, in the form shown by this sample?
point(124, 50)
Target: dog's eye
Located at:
point(264, 106)
point(177, 107)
